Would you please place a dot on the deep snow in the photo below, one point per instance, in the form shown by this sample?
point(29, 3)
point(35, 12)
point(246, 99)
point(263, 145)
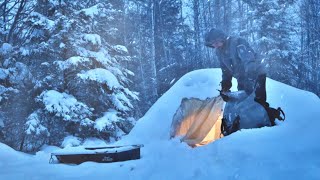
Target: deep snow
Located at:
point(287, 151)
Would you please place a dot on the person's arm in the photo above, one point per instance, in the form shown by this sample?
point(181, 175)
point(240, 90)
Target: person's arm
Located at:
point(248, 58)
point(253, 69)
point(226, 83)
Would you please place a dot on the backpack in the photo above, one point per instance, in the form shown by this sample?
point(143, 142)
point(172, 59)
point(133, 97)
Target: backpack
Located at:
point(243, 112)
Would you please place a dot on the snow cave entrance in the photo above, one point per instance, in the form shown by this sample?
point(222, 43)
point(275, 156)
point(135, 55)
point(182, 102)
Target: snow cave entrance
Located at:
point(198, 121)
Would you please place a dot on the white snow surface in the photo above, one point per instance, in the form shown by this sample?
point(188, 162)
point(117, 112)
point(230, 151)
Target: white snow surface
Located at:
point(72, 61)
point(95, 39)
point(290, 150)
point(108, 119)
point(34, 126)
point(102, 76)
point(6, 48)
point(3, 73)
point(65, 105)
point(71, 141)
point(121, 49)
point(91, 11)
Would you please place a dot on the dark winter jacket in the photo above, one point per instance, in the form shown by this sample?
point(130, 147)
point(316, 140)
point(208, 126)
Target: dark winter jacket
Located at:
point(238, 60)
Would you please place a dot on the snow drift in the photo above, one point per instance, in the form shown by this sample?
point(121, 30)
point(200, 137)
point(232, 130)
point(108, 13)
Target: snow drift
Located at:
point(289, 150)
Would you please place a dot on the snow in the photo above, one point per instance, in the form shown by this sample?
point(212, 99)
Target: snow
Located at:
point(133, 95)
point(4, 92)
point(4, 73)
point(187, 13)
point(108, 119)
point(83, 150)
point(40, 20)
point(34, 126)
point(116, 100)
point(289, 150)
point(6, 48)
point(65, 106)
point(91, 12)
point(72, 61)
point(62, 45)
point(101, 56)
point(101, 76)
point(95, 39)
point(121, 49)
point(94, 142)
point(24, 51)
point(71, 141)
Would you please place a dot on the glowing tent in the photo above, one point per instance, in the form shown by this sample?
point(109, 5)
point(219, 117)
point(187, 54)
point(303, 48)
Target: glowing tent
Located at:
point(198, 121)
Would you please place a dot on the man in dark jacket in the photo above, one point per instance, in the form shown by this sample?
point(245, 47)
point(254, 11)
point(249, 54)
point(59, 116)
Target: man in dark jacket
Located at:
point(238, 60)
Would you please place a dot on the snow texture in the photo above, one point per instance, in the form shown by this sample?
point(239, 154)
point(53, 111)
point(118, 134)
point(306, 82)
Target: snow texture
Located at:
point(6, 48)
point(108, 119)
point(95, 39)
point(65, 106)
point(34, 126)
point(121, 49)
point(40, 20)
point(24, 51)
point(91, 12)
point(4, 92)
point(71, 62)
point(187, 13)
point(289, 150)
point(3, 73)
point(71, 141)
point(102, 76)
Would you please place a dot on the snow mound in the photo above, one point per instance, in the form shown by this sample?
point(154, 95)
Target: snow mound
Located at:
point(289, 150)
point(203, 84)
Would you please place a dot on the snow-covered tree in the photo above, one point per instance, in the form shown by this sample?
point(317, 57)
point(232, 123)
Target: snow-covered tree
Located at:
point(309, 64)
point(275, 39)
point(36, 133)
point(70, 66)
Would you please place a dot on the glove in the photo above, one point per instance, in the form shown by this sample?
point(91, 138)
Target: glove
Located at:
point(225, 85)
point(224, 96)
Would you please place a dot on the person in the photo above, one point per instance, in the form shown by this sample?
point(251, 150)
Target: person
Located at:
point(237, 59)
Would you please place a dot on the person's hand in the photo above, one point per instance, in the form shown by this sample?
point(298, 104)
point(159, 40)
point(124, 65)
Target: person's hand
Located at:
point(224, 96)
point(225, 86)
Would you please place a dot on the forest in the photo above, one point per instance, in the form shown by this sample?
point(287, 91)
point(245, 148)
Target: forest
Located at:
point(92, 68)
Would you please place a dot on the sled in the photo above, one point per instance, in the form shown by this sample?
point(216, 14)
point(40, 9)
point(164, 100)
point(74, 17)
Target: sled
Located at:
point(97, 154)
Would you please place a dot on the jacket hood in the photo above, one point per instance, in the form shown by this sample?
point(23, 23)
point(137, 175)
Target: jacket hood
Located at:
point(214, 35)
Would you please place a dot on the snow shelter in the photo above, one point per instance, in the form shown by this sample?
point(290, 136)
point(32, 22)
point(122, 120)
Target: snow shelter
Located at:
point(198, 121)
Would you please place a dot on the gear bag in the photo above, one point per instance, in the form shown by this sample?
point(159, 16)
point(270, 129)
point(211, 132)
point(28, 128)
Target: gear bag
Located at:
point(242, 112)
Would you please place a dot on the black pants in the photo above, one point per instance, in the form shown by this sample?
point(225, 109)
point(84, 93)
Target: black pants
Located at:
point(260, 88)
point(258, 85)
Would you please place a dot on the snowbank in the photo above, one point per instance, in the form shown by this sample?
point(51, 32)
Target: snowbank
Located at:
point(287, 151)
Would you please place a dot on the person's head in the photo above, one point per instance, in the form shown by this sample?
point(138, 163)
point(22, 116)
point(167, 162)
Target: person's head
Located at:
point(215, 38)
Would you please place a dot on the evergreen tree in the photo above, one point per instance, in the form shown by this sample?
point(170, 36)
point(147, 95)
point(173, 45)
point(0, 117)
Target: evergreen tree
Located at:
point(273, 38)
point(70, 76)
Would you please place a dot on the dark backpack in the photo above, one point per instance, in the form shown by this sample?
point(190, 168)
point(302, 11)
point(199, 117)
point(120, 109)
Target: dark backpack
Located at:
point(273, 114)
point(238, 115)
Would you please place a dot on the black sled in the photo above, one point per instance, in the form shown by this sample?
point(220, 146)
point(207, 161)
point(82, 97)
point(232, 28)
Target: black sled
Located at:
point(99, 154)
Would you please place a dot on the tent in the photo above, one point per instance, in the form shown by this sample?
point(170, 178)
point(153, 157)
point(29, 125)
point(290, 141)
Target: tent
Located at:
point(198, 121)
